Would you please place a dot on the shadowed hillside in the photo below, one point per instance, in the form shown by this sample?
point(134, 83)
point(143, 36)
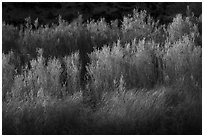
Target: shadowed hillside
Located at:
point(15, 13)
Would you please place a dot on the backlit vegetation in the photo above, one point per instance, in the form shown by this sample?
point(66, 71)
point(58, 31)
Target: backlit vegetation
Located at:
point(142, 77)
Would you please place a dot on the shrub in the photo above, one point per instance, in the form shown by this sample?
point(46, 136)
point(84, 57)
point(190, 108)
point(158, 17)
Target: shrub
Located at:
point(102, 33)
point(62, 39)
point(183, 61)
point(139, 63)
point(48, 79)
point(8, 72)
point(140, 25)
point(72, 73)
point(184, 26)
point(105, 67)
point(38, 78)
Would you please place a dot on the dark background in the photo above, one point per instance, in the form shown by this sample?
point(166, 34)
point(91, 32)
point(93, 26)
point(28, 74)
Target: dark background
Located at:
point(15, 13)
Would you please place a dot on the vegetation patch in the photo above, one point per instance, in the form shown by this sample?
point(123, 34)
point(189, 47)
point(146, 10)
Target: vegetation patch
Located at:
point(96, 77)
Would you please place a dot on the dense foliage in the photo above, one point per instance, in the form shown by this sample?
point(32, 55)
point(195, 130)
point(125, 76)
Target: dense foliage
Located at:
point(102, 78)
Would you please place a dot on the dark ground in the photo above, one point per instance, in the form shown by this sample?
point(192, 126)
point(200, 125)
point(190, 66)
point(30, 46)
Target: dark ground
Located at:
point(16, 12)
